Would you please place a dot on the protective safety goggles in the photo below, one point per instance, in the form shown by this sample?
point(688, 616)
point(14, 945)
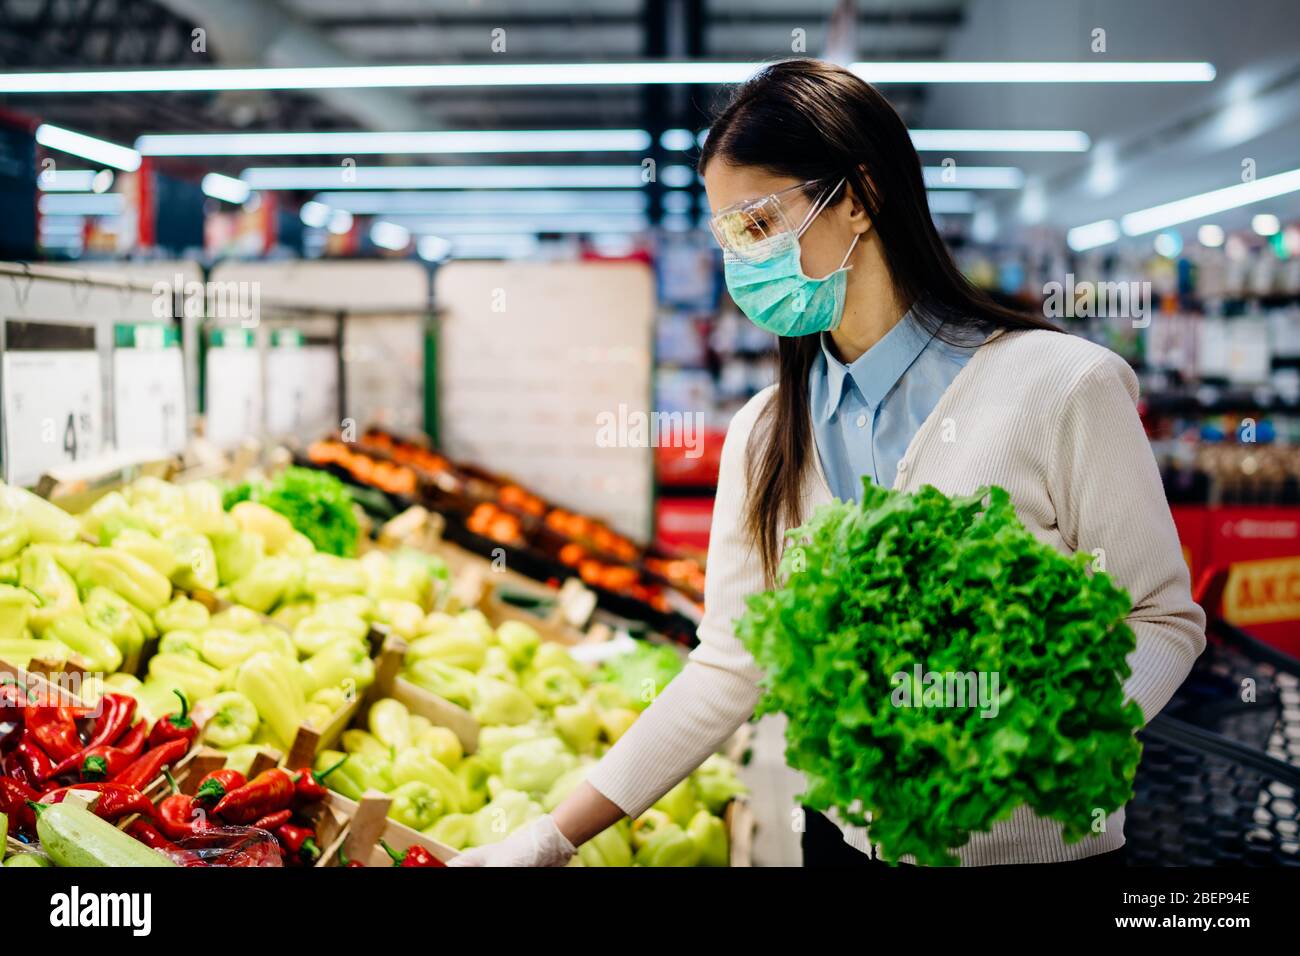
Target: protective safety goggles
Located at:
point(747, 229)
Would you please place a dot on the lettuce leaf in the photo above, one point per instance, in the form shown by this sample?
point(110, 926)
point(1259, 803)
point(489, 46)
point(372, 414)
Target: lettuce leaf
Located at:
point(956, 586)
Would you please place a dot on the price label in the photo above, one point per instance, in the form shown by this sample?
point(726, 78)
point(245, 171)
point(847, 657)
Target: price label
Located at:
point(302, 390)
point(53, 411)
point(149, 397)
point(234, 395)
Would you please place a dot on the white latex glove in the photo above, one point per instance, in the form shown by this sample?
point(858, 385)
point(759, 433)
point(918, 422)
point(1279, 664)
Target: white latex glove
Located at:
point(539, 844)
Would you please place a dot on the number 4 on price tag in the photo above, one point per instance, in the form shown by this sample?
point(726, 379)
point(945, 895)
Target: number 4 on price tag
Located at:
point(53, 411)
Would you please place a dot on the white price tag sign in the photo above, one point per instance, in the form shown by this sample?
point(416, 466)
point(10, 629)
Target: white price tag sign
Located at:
point(149, 399)
point(234, 395)
point(53, 411)
point(302, 390)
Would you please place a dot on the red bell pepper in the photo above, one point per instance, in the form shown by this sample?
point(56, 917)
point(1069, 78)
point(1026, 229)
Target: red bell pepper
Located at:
point(14, 797)
point(36, 763)
point(269, 791)
point(413, 856)
point(55, 730)
point(273, 821)
point(217, 784)
point(115, 800)
point(299, 843)
point(309, 785)
point(152, 837)
point(179, 815)
point(174, 726)
point(149, 766)
point(106, 762)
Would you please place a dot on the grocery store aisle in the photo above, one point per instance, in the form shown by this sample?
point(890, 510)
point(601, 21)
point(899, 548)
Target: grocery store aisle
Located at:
point(774, 788)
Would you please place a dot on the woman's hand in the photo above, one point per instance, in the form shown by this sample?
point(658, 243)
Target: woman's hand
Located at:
point(539, 844)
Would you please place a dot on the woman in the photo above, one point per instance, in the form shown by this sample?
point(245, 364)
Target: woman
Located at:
point(890, 366)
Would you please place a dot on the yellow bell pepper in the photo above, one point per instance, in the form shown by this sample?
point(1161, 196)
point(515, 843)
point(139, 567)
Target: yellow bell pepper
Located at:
point(39, 573)
point(274, 527)
point(148, 549)
point(15, 608)
point(274, 685)
point(93, 646)
point(44, 522)
point(270, 581)
point(128, 576)
point(193, 678)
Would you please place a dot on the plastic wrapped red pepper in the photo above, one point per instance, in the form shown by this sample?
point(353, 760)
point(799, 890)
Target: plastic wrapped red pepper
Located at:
point(413, 856)
point(217, 784)
point(152, 837)
point(269, 791)
point(149, 766)
point(175, 726)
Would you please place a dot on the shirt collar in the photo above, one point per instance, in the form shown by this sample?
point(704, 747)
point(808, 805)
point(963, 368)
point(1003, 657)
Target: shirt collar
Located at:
point(878, 369)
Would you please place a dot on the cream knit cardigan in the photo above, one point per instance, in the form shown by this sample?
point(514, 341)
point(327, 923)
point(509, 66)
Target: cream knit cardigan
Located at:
point(1051, 418)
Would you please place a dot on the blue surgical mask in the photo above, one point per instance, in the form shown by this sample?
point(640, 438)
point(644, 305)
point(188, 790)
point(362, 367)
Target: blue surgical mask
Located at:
point(776, 295)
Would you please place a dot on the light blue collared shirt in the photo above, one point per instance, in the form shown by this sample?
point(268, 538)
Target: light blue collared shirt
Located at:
point(865, 414)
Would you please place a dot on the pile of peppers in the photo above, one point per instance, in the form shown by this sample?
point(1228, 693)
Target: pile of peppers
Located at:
point(48, 748)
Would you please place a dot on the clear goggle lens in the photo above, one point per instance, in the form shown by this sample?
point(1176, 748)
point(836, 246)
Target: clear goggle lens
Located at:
point(747, 229)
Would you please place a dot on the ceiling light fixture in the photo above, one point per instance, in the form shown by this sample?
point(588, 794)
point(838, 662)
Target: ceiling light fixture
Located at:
point(87, 147)
point(1216, 201)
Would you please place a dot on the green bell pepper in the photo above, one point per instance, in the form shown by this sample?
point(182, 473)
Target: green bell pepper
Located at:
point(607, 848)
point(356, 741)
point(195, 567)
point(39, 573)
point(716, 783)
point(289, 613)
point(332, 699)
point(416, 765)
point(13, 532)
point(507, 812)
point(473, 774)
point(534, 766)
point(669, 845)
point(9, 572)
point(185, 643)
point(679, 803)
point(457, 647)
point(237, 618)
point(402, 617)
point(453, 830)
point(269, 581)
point(110, 613)
point(343, 662)
point(339, 780)
point(417, 805)
point(519, 641)
point(93, 646)
point(646, 825)
point(326, 576)
point(493, 742)
point(710, 836)
point(316, 632)
point(128, 576)
point(550, 654)
point(70, 557)
point(21, 651)
point(390, 722)
point(236, 551)
point(241, 758)
point(192, 677)
point(182, 614)
point(148, 549)
point(273, 527)
point(274, 686)
point(15, 609)
point(496, 702)
point(496, 664)
point(44, 522)
point(578, 725)
point(224, 649)
point(440, 743)
point(450, 683)
point(553, 686)
point(615, 723)
point(233, 720)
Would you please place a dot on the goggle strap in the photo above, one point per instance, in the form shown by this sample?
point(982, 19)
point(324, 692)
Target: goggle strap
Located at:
point(821, 204)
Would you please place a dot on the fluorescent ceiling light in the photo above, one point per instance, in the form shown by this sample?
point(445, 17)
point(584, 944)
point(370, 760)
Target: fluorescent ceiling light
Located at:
point(502, 225)
point(677, 177)
point(951, 203)
point(973, 177)
point(443, 177)
point(66, 181)
point(677, 140)
point(103, 181)
point(486, 201)
point(635, 73)
point(389, 235)
point(87, 147)
point(340, 222)
point(1265, 224)
point(314, 214)
point(1000, 140)
point(494, 247)
point(225, 188)
point(82, 204)
point(433, 248)
point(366, 143)
point(1092, 235)
point(1210, 235)
point(1208, 204)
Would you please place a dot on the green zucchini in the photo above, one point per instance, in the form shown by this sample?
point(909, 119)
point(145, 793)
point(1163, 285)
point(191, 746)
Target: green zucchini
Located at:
point(26, 859)
point(73, 836)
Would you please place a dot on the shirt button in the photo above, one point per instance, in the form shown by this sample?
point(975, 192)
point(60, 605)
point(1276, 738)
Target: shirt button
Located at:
point(862, 421)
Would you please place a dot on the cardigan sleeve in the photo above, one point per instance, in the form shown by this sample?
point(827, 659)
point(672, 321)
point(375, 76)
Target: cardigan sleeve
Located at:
point(1110, 501)
point(717, 690)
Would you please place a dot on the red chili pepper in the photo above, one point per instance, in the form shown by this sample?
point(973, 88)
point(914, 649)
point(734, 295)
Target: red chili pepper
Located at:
point(115, 800)
point(36, 763)
point(350, 864)
point(217, 784)
point(174, 726)
point(269, 791)
point(14, 796)
point(55, 730)
point(413, 856)
point(114, 721)
point(273, 821)
point(309, 785)
point(152, 837)
point(105, 762)
point(299, 843)
point(179, 816)
point(147, 768)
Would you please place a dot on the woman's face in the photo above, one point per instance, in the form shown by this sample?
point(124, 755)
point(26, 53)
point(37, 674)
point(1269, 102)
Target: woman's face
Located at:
point(827, 238)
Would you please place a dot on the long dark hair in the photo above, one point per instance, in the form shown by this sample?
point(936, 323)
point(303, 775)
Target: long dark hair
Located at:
point(816, 121)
